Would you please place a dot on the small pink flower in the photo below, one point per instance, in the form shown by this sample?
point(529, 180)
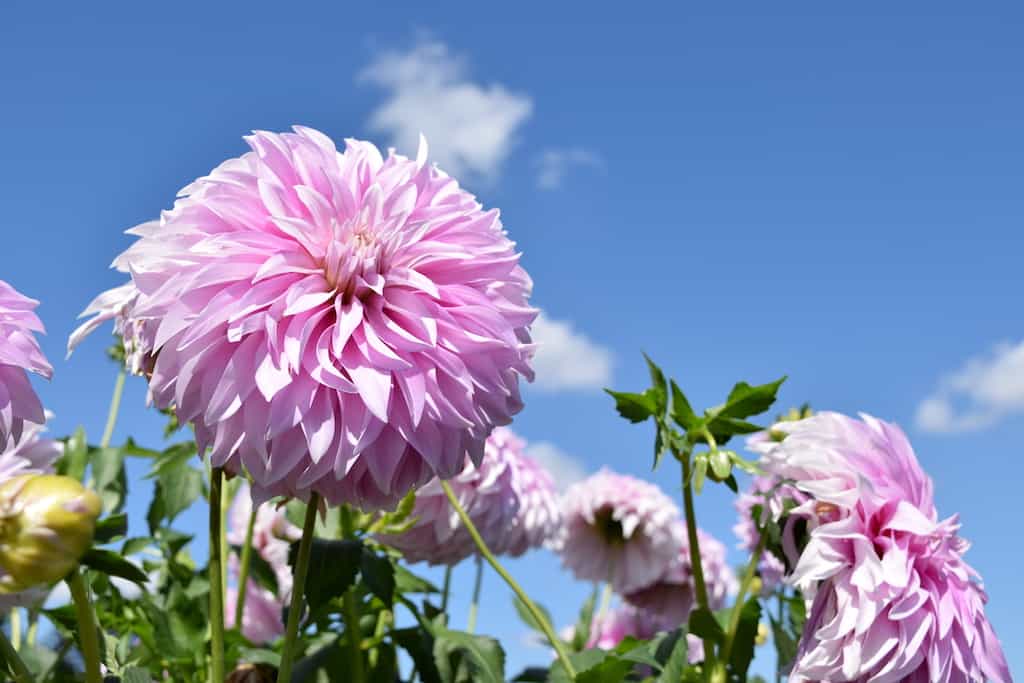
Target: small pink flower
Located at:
point(621, 530)
point(19, 353)
point(330, 322)
point(893, 598)
point(272, 535)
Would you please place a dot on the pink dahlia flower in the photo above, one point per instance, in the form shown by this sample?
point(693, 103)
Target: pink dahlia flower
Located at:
point(673, 596)
point(621, 530)
point(508, 496)
point(261, 616)
point(19, 352)
point(894, 599)
point(272, 535)
point(771, 496)
point(138, 335)
point(330, 322)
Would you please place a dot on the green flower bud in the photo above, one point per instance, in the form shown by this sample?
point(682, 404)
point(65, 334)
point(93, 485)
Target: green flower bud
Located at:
point(47, 523)
point(721, 464)
point(762, 634)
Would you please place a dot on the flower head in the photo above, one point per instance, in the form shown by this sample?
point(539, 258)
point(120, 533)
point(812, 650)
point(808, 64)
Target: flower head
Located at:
point(893, 597)
point(47, 522)
point(673, 595)
point(19, 352)
point(619, 529)
point(509, 498)
point(330, 322)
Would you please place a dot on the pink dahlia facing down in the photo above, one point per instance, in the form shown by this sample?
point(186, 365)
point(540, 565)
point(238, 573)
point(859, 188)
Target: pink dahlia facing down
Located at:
point(272, 535)
point(621, 530)
point(673, 595)
point(509, 497)
point(893, 598)
point(332, 322)
point(19, 354)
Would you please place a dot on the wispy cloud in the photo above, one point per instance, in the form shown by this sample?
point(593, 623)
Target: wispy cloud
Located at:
point(567, 359)
point(564, 468)
point(985, 390)
point(554, 164)
point(470, 126)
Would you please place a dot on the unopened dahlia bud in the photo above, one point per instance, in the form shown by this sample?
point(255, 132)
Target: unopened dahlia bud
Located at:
point(47, 523)
point(252, 673)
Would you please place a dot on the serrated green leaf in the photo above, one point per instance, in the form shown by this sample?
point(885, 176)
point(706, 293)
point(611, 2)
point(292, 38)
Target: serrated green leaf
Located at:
point(682, 412)
point(746, 634)
point(745, 400)
point(407, 582)
point(676, 660)
point(333, 566)
point(419, 643)
point(484, 655)
point(581, 661)
point(705, 626)
point(111, 528)
point(659, 387)
point(378, 574)
point(634, 407)
point(112, 564)
point(134, 674)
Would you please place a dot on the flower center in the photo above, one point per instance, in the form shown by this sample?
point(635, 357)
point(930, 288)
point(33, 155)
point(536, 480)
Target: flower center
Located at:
point(609, 528)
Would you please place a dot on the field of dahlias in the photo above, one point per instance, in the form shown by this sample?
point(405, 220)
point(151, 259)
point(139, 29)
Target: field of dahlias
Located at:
point(337, 338)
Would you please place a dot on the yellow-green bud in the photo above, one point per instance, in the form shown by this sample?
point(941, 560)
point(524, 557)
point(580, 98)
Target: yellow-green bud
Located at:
point(762, 634)
point(46, 524)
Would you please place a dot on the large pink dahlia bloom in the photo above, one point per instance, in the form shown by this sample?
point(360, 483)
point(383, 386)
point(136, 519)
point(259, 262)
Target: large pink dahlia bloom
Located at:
point(621, 530)
point(19, 352)
point(330, 322)
point(894, 599)
point(510, 499)
point(673, 595)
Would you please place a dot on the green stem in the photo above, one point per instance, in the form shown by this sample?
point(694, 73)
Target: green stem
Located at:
point(691, 532)
point(606, 600)
point(115, 407)
point(16, 628)
point(350, 605)
point(748, 578)
point(446, 591)
point(538, 616)
point(474, 606)
point(88, 632)
point(780, 595)
point(17, 666)
point(243, 570)
point(33, 627)
point(216, 573)
point(298, 587)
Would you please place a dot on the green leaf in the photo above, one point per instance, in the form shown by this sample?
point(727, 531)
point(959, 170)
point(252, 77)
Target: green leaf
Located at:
point(112, 564)
point(659, 388)
point(682, 412)
point(705, 626)
point(785, 644)
point(407, 582)
point(106, 466)
point(581, 661)
point(532, 674)
point(676, 660)
point(178, 486)
point(612, 669)
point(134, 674)
point(333, 566)
point(527, 618)
point(584, 624)
point(745, 400)
point(484, 655)
point(746, 633)
point(379, 575)
point(634, 407)
point(76, 456)
point(111, 528)
point(419, 643)
point(135, 545)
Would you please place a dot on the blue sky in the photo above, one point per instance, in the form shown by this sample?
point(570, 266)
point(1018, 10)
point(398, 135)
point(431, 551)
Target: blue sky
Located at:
point(829, 192)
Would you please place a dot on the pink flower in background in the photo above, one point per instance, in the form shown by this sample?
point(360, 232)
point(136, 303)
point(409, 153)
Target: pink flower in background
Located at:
point(271, 538)
point(137, 334)
point(624, 621)
point(19, 354)
point(508, 497)
point(893, 598)
point(338, 323)
point(770, 495)
point(621, 530)
point(673, 595)
point(261, 618)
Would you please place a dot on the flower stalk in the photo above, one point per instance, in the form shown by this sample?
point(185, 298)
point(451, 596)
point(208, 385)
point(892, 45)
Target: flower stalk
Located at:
point(88, 631)
point(215, 576)
point(243, 569)
point(485, 552)
point(748, 578)
point(350, 605)
point(291, 633)
point(14, 661)
point(474, 606)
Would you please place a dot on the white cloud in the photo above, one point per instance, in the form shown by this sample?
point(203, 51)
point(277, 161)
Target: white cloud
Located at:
point(565, 469)
point(985, 390)
point(470, 126)
point(554, 164)
point(567, 359)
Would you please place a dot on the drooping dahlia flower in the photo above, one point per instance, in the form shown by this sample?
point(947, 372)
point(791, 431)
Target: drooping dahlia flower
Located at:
point(337, 323)
point(19, 353)
point(894, 599)
point(673, 595)
point(771, 496)
point(619, 529)
point(272, 535)
point(508, 496)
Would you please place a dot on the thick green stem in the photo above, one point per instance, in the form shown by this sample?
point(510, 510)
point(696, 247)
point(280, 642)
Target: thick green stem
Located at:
point(115, 407)
point(538, 616)
point(88, 632)
point(350, 605)
point(737, 610)
point(691, 532)
point(474, 606)
point(216, 573)
point(17, 666)
point(298, 588)
point(243, 570)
